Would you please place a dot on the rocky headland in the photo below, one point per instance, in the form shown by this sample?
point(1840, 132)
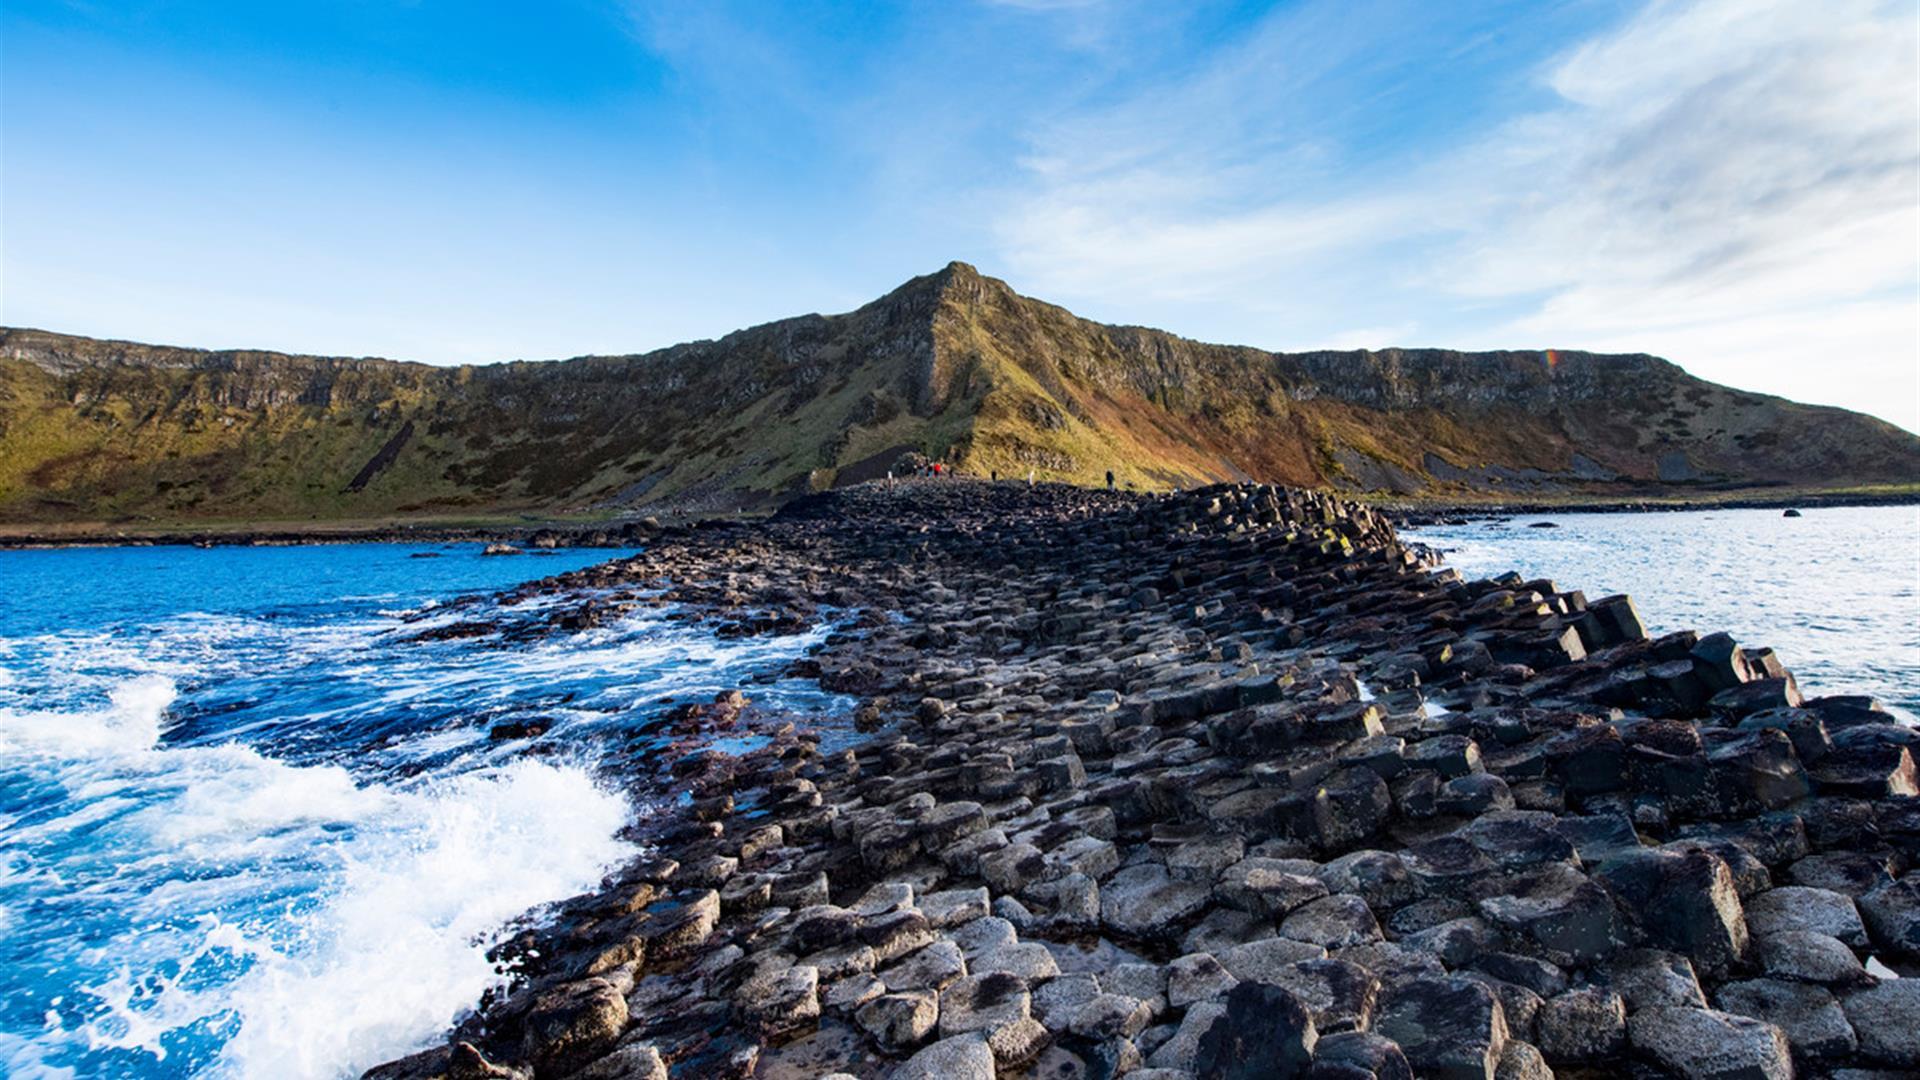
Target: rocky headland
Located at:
point(1227, 783)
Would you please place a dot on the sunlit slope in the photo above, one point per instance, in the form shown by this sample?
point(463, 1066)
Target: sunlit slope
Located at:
point(953, 364)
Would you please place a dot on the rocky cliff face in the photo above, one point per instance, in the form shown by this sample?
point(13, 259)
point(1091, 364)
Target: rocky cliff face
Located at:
point(952, 364)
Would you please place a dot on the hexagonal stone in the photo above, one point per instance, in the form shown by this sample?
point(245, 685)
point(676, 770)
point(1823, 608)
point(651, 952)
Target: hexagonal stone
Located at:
point(1056, 1000)
point(1707, 1043)
point(930, 968)
point(1145, 902)
point(1358, 1055)
point(1340, 995)
point(1264, 1033)
point(1797, 907)
point(955, 906)
point(1886, 1018)
point(962, 1057)
point(1474, 793)
point(1586, 1024)
point(1148, 982)
point(1110, 1016)
point(1685, 901)
point(1269, 888)
point(1183, 1048)
point(1029, 960)
point(573, 1023)
point(1448, 755)
point(1197, 977)
point(1804, 956)
point(1649, 978)
point(1892, 914)
point(1518, 838)
point(1223, 928)
point(1201, 860)
point(848, 994)
point(983, 1003)
point(1381, 878)
point(1014, 867)
point(1452, 1028)
point(1522, 1061)
point(899, 1020)
point(1333, 922)
point(1557, 909)
point(984, 935)
point(1812, 1019)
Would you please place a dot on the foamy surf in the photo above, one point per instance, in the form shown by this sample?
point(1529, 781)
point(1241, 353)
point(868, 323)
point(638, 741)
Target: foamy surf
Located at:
point(251, 837)
point(320, 925)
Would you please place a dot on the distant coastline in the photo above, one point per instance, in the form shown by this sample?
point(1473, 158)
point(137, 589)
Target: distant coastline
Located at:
point(533, 533)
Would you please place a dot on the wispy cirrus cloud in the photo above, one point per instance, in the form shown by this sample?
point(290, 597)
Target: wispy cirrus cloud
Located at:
point(1728, 182)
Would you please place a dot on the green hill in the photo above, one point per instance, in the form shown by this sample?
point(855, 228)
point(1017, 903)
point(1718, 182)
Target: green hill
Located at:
point(953, 364)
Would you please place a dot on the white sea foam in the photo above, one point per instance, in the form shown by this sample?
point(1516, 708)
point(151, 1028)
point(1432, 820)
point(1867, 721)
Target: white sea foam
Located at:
point(357, 916)
point(131, 722)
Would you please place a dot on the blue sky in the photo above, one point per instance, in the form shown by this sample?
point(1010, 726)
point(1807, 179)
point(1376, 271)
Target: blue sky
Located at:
point(1729, 183)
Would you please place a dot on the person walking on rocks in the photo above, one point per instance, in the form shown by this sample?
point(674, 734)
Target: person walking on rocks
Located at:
point(1109, 479)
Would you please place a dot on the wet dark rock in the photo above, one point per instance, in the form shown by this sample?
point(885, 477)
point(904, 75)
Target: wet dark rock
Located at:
point(1264, 1032)
point(1358, 1055)
point(1447, 1027)
point(570, 1025)
point(1681, 901)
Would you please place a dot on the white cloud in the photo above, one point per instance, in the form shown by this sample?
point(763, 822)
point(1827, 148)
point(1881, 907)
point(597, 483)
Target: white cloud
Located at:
point(1731, 183)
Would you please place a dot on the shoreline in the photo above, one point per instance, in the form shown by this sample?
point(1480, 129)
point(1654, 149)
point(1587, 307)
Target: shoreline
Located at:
point(623, 531)
point(1152, 780)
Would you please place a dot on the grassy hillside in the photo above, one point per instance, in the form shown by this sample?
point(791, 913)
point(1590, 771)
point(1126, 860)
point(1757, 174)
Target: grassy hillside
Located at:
point(952, 364)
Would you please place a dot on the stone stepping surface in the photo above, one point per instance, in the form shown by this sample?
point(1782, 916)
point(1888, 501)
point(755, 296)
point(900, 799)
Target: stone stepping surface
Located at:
point(1227, 783)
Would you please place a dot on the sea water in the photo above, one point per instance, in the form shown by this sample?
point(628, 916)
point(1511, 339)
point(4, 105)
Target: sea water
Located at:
point(1836, 592)
point(246, 829)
